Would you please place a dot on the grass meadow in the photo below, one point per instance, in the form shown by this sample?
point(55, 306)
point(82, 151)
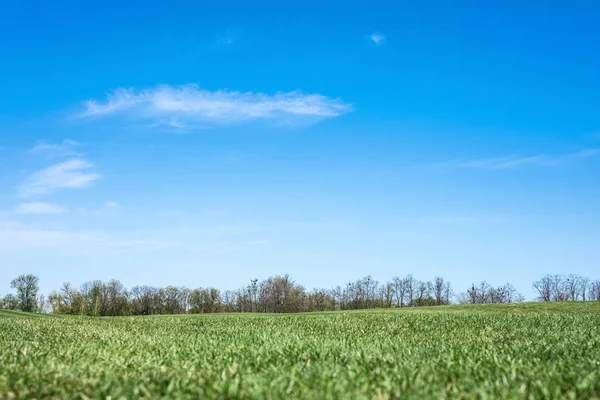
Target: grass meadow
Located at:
point(529, 351)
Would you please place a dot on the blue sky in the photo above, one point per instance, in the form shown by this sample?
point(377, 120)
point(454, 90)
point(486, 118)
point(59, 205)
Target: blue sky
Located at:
point(207, 144)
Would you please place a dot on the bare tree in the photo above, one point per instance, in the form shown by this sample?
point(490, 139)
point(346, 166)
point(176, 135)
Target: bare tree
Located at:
point(387, 295)
point(509, 293)
point(472, 294)
point(410, 284)
point(559, 289)
point(584, 285)
point(595, 290)
point(399, 290)
point(484, 292)
point(464, 298)
point(544, 288)
point(229, 303)
point(338, 297)
point(438, 290)
point(571, 284)
point(479, 294)
point(370, 289)
point(448, 293)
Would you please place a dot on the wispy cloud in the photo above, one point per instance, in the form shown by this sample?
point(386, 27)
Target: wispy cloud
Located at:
point(466, 219)
point(35, 239)
point(105, 210)
point(512, 162)
point(20, 238)
point(65, 148)
point(71, 174)
point(38, 207)
point(189, 105)
point(176, 125)
point(227, 38)
point(377, 38)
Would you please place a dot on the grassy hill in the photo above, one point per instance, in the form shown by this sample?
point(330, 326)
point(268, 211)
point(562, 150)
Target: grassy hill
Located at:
point(19, 314)
point(576, 307)
point(530, 350)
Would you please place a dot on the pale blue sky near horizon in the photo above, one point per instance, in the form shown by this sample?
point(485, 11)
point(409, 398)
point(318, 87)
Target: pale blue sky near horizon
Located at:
point(206, 144)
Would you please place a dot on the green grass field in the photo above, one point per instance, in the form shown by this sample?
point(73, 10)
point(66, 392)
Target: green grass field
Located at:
point(529, 350)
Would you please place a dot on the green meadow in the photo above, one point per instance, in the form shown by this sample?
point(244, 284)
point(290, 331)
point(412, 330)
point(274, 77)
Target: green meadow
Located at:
point(527, 350)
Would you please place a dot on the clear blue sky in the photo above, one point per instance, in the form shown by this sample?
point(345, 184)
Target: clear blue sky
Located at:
point(205, 144)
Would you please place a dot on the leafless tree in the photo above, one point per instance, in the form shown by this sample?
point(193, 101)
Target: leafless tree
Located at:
point(386, 297)
point(544, 288)
point(584, 286)
point(572, 286)
point(399, 291)
point(595, 290)
point(438, 290)
point(410, 283)
point(448, 293)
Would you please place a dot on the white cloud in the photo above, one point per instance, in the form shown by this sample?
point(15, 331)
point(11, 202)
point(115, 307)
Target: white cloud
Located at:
point(65, 148)
point(511, 162)
point(377, 38)
point(38, 207)
point(188, 105)
point(71, 174)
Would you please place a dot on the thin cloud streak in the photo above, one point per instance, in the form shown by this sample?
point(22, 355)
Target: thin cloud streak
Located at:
point(189, 105)
point(19, 237)
point(467, 220)
point(513, 162)
point(62, 149)
point(71, 174)
point(38, 207)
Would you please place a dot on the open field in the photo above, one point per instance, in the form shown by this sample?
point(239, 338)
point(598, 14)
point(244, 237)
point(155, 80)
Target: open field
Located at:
point(533, 350)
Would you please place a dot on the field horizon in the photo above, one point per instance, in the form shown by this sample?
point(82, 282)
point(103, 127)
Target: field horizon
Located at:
point(592, 307)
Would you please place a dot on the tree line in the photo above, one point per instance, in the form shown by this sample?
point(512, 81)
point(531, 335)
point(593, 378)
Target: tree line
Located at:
point(279, 294)
point(567, 288)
